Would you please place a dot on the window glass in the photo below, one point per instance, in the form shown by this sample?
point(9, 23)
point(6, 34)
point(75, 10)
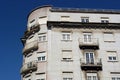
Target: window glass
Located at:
point(66, 36)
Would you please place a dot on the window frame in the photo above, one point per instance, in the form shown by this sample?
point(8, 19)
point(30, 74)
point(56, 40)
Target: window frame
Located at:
point(66, 36)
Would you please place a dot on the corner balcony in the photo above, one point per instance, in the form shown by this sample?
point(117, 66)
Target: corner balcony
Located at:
point(91, 64)
point(33, 29)
point(30, 47)
point(29, 67)
point(92, 43)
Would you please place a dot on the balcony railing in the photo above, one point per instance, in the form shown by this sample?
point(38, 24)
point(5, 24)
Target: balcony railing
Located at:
point(35, 28)
point(91, 64)
point(31, 46)
point(29, 67)
point(92, 43)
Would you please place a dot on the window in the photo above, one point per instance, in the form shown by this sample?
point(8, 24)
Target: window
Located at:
point(87, 37)
point(42, 37)
point(112, 55)
point(41, 56)
point(104, 20)
point(67, 75)
point(66, 35)
point(65, 18)
point(40, 76)
point(89, 56)
point(108, 37)
point(67, 55)
point(43, 19)
point(92, 76)
point(85, 19)
point(115, 78)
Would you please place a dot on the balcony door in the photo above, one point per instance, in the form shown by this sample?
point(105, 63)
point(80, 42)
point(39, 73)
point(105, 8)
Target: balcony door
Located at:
point(89, 57)
point(87, 37)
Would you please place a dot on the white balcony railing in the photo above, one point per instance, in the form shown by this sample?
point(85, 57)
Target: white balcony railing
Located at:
point(91, 41)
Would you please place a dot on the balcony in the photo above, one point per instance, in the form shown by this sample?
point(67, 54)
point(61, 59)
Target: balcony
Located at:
point(29, 67)
point(91, 65)
point(92, 43)
point(32, 30)
point(30, 47)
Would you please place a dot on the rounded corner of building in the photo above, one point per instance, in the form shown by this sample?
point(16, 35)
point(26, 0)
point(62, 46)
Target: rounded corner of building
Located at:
point(40, 7)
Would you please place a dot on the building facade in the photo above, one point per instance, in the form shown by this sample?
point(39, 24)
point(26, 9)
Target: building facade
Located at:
point(71, 44)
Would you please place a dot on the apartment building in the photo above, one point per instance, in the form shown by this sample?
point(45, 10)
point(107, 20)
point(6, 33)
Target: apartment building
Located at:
point(71, 44)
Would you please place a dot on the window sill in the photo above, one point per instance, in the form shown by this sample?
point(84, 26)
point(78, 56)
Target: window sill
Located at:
point(67, 40)
point(41, 61)
point(41, 41)
point(110, 41)
point(112, 61)
point(67, 60)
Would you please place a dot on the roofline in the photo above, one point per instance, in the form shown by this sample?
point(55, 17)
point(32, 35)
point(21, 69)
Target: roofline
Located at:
point(86, 10)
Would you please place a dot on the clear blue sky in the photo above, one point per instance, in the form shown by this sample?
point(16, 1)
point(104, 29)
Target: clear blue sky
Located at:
point(13, 19)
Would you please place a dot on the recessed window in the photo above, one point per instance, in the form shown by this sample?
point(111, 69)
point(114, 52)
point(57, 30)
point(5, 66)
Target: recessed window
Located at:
point(85, 19)
point(42, 37)
point(43, 19)
point(41, 56)
point(65, 18)
point(67, 75)
point(104, 20)
point(109, 37)
point(66, 36)
point(67, 55)
point(92, 76)
point(112, 55)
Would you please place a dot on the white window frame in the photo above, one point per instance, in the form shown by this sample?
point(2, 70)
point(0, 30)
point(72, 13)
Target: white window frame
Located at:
point(104, 19)
point(112, 39)
point(42, 37)
point(91, 76)
point(90, 60)
point(85, 19)
point(112, 55)
point(41, 56)
point(64, 52)
point(65, 18)
point(66, 36)
point(67, 75)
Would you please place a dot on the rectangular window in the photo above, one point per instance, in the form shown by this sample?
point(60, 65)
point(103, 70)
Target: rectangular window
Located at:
point(87, 37)
point(104, 20)
point(66, 36)
point(67, 75)
point(41, 56)
point(67, 55)
point(108, 37)
point(85, 19)
point(42, 37)
point(92, 76)
point(65, 18)
point(115, 78)
point(43, 20)
point(40, 76)
point(112, 55)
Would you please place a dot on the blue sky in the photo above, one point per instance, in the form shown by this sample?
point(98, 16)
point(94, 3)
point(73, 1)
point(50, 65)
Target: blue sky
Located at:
point(13, 19)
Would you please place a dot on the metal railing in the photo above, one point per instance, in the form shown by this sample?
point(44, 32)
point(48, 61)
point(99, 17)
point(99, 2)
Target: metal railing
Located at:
point(88, 62)
point(30, 66)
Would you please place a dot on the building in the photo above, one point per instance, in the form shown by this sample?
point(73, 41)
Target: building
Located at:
point(71, 44)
